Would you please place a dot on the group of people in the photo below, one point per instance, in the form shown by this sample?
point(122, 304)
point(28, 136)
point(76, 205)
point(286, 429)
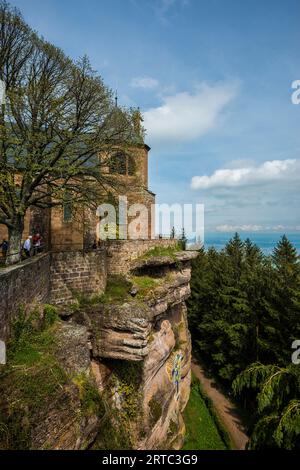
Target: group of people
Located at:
point(31, 246)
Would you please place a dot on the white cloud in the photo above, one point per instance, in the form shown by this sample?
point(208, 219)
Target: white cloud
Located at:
point(144, 82)
point(227, 228)
point(269, 171)
point(239, 228)
point(186, 116)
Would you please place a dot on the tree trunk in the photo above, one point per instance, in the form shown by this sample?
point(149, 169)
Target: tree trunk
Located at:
point(15, 237)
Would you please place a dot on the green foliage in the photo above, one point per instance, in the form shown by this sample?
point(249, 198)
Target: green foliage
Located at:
point(119, 430)
point(113, 434)
point(30, 379)
point(183, 240)
point(244, 309)
point(278, 405)
point(117, 290)
point(50, 315)
point(162, 251)
point(57, 116)
point(83, 301)
point(127, 379)
point(91, 401)
point(144, 282)
point(203, 429)
point(146, 285)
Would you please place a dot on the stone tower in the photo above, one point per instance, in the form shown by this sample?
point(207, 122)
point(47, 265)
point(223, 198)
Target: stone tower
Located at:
point(127, 167)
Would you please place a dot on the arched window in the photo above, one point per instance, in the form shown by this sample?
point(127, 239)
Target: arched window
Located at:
point(122, 164)
point(117, 163)
point(67, 207)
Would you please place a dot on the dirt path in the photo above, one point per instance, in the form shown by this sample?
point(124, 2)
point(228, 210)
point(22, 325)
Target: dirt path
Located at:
point(226, 410)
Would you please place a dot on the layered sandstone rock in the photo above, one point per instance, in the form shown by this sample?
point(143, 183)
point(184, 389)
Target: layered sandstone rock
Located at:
point(151, 329)
point(125, 366)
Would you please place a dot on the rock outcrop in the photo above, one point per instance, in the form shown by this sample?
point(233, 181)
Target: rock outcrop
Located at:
point(118, 367)
point(149, 328)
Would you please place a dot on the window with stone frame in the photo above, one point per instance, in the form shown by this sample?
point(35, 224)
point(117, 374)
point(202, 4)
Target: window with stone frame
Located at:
point(67, 208)
point(122, 163)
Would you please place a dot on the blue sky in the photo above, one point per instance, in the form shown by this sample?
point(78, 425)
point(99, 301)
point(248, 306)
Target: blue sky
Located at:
point(213, 79)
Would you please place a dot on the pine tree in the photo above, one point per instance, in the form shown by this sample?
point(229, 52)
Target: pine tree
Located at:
point(253, 254)
point(183, 239)
point(286, 293)
point(278, 404)
point(235, 250)
point(286, 261)
point(245, 308)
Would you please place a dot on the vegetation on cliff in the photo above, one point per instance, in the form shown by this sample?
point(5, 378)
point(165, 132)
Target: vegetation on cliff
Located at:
point(163, 251)
point(123, 421)
point(31, 376)
point(37, 386)
point(244, 316)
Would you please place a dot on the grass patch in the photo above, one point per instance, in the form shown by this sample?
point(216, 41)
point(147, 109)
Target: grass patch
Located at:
point(117, 290)
point(83, 301)
point(203, 431)
point(144, 282)
point(162, 251)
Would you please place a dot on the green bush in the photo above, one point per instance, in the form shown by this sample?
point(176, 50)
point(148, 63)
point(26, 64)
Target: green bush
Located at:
point(50, 315)
point(92, 402)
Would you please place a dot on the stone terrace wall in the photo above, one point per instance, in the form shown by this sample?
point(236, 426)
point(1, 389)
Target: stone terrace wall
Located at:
point(120, 253)
point(75, 271)
point(22, 284)
point(56, 277)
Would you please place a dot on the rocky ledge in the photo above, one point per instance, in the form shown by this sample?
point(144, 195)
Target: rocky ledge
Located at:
point(113, 373)
point(149, 328)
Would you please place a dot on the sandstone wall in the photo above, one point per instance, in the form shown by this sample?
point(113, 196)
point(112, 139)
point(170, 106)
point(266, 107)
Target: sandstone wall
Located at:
point(121, 253)
point(76, 271)
point(144, 340)
point(135, 349)
point(56, 277)
point(23, 284)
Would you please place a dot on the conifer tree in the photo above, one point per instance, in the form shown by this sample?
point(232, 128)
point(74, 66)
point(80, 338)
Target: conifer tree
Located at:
point(244, 314)
point(278, 404)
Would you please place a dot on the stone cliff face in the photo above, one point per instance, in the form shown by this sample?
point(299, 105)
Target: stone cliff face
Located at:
point(149, 331)
point(126, 358)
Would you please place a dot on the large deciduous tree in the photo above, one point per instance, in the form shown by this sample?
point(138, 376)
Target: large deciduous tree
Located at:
point(56, 119)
